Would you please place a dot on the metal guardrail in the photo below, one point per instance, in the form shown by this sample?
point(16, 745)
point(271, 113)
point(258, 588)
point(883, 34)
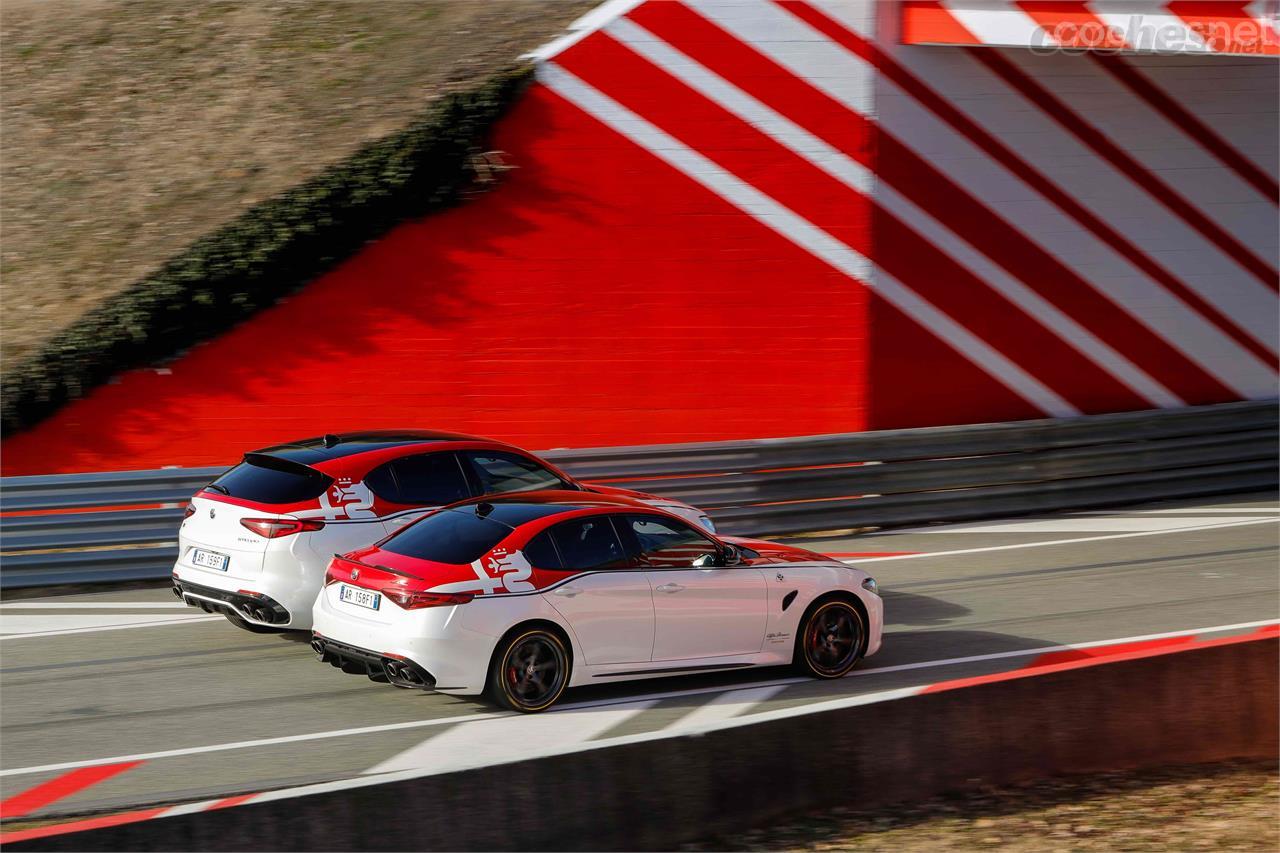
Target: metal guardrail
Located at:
point(761, 487)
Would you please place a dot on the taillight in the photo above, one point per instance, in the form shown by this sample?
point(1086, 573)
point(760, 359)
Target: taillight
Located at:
point(274, 528)
point(189, 511)
point(410, 600)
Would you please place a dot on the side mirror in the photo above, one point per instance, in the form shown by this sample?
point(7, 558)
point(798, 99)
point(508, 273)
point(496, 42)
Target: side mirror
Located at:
point(730, 556)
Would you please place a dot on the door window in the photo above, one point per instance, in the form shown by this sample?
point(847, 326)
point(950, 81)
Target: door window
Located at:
point(590, 543)
point(665, 543)
point(500, 472)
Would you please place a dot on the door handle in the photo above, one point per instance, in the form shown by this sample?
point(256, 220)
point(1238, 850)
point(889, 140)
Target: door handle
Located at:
point(567, 591)
point(670, 587)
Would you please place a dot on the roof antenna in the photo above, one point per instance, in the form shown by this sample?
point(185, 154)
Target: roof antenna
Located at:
point(484, 508)
point(330, 440)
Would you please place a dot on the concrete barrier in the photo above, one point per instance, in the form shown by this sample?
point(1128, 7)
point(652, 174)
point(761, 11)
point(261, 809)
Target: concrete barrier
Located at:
point(1213, 701)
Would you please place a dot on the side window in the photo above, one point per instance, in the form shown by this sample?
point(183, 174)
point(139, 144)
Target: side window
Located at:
point(590, 543)
point(429, 479)
point(669, 544)
point(541, 552)
point(383, 483)
point(500, 472)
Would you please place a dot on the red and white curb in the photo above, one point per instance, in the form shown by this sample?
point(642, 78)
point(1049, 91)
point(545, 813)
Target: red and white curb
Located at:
point(730, 709)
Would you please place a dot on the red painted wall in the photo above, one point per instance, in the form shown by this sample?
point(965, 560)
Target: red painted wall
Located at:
point(739, 220)
point(597, 297)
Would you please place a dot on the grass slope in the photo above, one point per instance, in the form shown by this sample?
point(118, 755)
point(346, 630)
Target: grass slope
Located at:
point(132, 128)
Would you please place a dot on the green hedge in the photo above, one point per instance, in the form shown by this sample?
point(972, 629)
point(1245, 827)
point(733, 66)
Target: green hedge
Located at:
point(269, 251)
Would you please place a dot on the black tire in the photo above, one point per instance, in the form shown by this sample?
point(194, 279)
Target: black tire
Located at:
point(530, 670)
point(830, 640)
point(249, 626)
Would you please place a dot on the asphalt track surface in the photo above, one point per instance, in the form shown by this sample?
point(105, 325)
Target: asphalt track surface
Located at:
point(118, 699)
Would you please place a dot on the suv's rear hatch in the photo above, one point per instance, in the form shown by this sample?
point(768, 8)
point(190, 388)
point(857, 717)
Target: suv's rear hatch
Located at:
point(263, 487)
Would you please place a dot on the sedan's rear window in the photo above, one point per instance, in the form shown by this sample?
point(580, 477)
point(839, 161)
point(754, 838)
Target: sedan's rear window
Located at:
point(450, 536)
point(267, 480)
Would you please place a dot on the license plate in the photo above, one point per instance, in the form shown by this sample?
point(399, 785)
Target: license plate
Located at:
point(359, 597)
point(210, 559)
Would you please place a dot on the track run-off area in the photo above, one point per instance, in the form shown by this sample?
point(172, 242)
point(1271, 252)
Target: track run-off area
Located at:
point(125, 698)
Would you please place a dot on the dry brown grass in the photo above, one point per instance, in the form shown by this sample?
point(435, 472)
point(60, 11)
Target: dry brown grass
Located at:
point(128, 128)
point(1230, 806)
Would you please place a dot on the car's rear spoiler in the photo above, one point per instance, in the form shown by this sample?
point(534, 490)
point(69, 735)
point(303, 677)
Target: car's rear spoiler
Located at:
point(266, 460)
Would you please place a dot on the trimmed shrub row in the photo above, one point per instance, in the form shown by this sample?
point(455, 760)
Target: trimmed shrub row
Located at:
point(271, 250)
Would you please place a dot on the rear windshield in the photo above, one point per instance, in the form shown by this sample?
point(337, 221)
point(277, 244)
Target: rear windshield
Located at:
point(450, 536)
point(271, 481)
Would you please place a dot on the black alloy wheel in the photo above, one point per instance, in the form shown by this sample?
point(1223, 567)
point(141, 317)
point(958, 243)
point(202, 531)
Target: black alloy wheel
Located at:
point(530, 671)
point(831, 640)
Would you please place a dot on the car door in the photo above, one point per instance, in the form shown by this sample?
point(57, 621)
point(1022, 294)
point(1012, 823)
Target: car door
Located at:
point(424, 481)
point(604, 595)
point(701, 607)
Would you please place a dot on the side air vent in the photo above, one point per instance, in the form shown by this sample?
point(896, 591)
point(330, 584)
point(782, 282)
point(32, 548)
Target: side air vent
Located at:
point(789, 597)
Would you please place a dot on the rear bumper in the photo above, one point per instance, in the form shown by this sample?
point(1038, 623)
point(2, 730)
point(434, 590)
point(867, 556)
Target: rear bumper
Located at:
point(378, 667)
point(287, 593)
point(432, 639)
point(257, 608)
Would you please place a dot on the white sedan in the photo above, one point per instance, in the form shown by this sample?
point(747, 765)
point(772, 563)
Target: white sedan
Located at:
point(524, 595)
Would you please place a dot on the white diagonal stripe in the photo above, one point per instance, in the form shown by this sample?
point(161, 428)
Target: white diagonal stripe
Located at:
point(804, 234)
point(1217, 277)
point(857, 177)
point(829, 67)
point(728, 705)
point(999, 22)
point(496, 741)
point(1150, 26)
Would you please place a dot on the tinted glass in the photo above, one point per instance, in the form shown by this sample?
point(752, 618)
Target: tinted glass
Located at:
point(272, 482)
point(430, 479)
point(667, 543)
point(589, 543)
point(509, 472)
point(383, 483)
point(451, 536)
point(541, 552)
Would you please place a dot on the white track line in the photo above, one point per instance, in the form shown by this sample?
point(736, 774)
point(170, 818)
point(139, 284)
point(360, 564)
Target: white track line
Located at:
point(729, 704)
point(647, 698)
point(1099, 524)
point(859, 561)
point(498, 741)
point(186, 620)
point(95, 605)
point(1185, 511)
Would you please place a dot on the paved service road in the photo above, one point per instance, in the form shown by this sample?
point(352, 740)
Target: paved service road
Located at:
point(186, 707)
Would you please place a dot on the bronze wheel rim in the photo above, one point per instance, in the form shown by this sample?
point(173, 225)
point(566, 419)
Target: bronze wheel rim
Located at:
point(534, 671)
point(832, 638)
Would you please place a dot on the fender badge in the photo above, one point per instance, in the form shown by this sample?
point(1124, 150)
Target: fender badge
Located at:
point(780, 576)
point(213, 513)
